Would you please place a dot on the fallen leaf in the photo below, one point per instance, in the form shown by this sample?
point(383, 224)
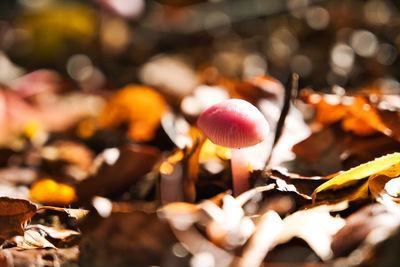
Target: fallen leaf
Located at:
point(48, 191)
point(34, 238)
point(263, 239)
point(38, 257)
point(385, 186)
point(181, 215)
point(372, 224)
point(360, 172)
point(315, 226)
point(356, 113)
point(68, 152)
point(329, 108)
point(126, 239)
point(259, 87)
point(77, 214)
point(118, 169)
point(60, 238)
point(140, 106)
point(331, 149)
point(171, 74)
point(13, 214)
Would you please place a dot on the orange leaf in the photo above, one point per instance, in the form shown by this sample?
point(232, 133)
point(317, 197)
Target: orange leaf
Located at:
point(140, 106)
point(49, 191)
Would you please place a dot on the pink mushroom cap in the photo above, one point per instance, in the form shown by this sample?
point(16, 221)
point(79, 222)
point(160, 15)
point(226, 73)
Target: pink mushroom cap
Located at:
point(233, 123)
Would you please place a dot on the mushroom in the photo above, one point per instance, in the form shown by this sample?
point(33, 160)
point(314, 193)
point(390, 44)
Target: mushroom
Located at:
point(236, 124)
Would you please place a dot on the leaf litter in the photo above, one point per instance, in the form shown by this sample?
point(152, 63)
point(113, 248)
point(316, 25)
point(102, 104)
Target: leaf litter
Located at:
point(106, 167)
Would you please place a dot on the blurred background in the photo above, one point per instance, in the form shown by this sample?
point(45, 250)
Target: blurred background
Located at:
point(108, 43)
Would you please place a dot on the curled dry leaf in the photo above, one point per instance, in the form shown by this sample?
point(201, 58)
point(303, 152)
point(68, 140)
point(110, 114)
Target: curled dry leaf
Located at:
point(315, 226)
point(263, 239)
point(13, 214)
point(77, 214)
point(385, 186)
point(34, 238)
point(60, 238)
point(358, 173)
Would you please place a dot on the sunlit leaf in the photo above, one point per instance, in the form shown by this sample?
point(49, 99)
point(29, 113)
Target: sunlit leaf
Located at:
point(141, 107)
point(360, 172)
point(48, 191)
point(315, 226)
point(357, 113)
point(211, 151)
point(329, 108)
point(167, 166)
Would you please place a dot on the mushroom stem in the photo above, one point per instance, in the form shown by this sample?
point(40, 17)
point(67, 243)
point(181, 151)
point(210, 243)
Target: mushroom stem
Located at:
point(240, 171)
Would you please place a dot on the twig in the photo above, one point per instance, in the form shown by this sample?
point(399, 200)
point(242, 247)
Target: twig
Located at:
point(290, 94)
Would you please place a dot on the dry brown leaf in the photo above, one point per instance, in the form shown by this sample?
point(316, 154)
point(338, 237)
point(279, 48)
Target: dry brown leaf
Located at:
point(259, 87)
point(371, 224)
point(125, 239)
point(69, 152)
point(60, 238)
point(34, 238)
point(77, 214)
point(13, 214)
point(332, 149)
point(118, 169)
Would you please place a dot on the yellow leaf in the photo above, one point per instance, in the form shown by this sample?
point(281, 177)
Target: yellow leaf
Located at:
point(360, 172)
point(384, 186)
point(56, 30)
point(48, 191)
point(211, 151)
